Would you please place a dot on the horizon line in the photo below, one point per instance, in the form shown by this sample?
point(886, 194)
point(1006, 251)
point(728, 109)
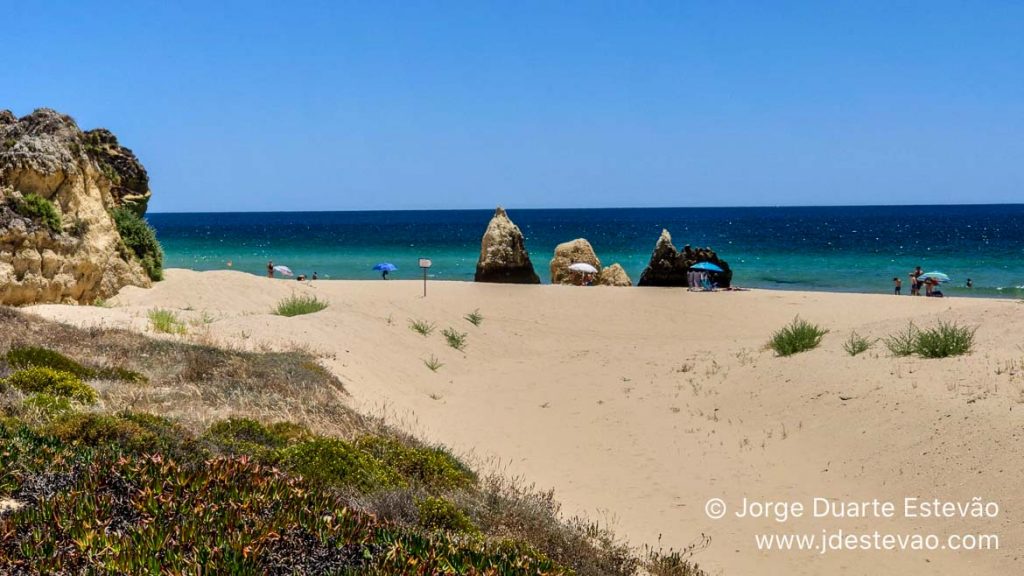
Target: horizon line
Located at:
point(742, 207)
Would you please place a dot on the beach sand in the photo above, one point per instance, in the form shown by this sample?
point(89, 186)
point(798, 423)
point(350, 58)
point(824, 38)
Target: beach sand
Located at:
point(637, 405)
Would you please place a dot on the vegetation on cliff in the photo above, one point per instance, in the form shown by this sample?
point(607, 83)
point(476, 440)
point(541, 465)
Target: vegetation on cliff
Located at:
point(140, 239)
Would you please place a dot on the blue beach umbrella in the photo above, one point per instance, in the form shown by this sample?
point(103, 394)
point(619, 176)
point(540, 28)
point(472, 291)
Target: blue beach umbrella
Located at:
point(706, 266)
point(385, 267)
point(937, 276)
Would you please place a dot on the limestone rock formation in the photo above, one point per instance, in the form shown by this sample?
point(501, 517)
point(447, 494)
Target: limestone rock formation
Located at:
point(613, 275)
point(58, 186)
point(668, 266)
point(580, 250)
point(569, 253)
point(503, 255)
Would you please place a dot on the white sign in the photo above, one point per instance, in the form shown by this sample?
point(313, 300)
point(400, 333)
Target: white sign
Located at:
point(425, 263)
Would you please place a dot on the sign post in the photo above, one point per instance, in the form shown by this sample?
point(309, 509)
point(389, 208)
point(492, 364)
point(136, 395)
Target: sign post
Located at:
point(425, 264)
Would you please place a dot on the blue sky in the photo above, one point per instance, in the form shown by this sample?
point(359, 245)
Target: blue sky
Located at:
point(412, 105)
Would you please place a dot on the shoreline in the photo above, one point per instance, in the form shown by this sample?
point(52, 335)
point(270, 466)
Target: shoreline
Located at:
point(637, 406)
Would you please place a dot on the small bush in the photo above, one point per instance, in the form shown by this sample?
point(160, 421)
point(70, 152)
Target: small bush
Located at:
point(904, 342)
point(798, 336)
point(433, 363)
point(140, 238)
point(101, 430)
point(434, 468)
point(121, 375)
point(337, 463)
point(455, 339)
point(856, 344)
point(38, 208)
point(299, 305)
point(166, 322)
point(44, 358)
point(945, 340)
point(440, 514)
point(48, 405)
point(245, 436)
point(421, 327)
point(53, 382)
point(474, 317)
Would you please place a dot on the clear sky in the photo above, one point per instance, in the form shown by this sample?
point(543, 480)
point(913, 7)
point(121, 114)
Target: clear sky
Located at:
point(407, 105)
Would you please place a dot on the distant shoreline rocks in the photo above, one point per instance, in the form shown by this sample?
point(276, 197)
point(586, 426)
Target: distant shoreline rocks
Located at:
point(668, 266)
point(580, 251)
point(503, 254)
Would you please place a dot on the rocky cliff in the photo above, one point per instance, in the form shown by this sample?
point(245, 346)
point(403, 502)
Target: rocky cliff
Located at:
point(66, 198)
point(668, 266)
point(503, 255)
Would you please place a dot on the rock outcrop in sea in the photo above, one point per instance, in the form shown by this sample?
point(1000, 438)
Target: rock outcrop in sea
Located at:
point(503, 254)
point(613, 275)
point(580, 251)
point(668, 266)
point(66, 196)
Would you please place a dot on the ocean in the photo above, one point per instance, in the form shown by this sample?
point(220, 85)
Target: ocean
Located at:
point(845, 249)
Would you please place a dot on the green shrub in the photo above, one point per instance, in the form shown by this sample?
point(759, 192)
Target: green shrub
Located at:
point(434, 468)
point(474, 317)
point(440, 514)
point(43, 358)
point(421, 327)
point(140, 238)
point(121, 375)
point(54, 382)
point(798, 336)
point(856, 344)
point(38, 208)
point(337, 463)
point(455, 339)
point(250, 437)
point(166, 322)
point(433, 363)
point(944, 340)
point(904, 342)
point(87, 429)
point(48, 405)
point(299, 305)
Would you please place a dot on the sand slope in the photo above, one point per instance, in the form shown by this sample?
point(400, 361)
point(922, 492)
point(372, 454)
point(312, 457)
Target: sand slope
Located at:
point(637, 405)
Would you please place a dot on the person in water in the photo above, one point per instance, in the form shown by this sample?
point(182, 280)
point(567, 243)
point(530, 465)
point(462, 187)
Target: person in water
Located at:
point(897, 285)
point(970, 283)
point(270, 269)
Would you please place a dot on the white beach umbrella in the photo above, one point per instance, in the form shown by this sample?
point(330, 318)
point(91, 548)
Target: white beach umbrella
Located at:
point(283, 270)
point(583, 267)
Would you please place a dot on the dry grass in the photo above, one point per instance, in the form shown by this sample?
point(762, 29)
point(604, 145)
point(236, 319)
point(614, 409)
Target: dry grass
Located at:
point(197, 384)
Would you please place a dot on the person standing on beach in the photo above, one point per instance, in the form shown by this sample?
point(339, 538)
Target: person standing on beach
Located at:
point(270, 269)
point(897, 285)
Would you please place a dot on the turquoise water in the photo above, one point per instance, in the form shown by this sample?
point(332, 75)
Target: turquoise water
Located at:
point(858, 249)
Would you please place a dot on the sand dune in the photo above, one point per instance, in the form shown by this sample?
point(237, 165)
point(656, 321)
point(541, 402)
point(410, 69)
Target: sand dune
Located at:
point(638, 405)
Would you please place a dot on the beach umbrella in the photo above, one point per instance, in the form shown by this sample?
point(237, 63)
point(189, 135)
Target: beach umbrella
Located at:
point(583, 267)
point(937, 276)
point(385, 267)
point(706, 266)
point(283, 270)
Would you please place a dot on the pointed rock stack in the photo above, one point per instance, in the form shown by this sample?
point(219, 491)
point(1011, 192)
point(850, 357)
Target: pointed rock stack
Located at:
point(503, 255)
point(668, 266)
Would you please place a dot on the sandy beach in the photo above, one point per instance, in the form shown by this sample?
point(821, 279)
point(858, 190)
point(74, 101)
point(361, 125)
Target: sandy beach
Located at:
point(638, 405)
